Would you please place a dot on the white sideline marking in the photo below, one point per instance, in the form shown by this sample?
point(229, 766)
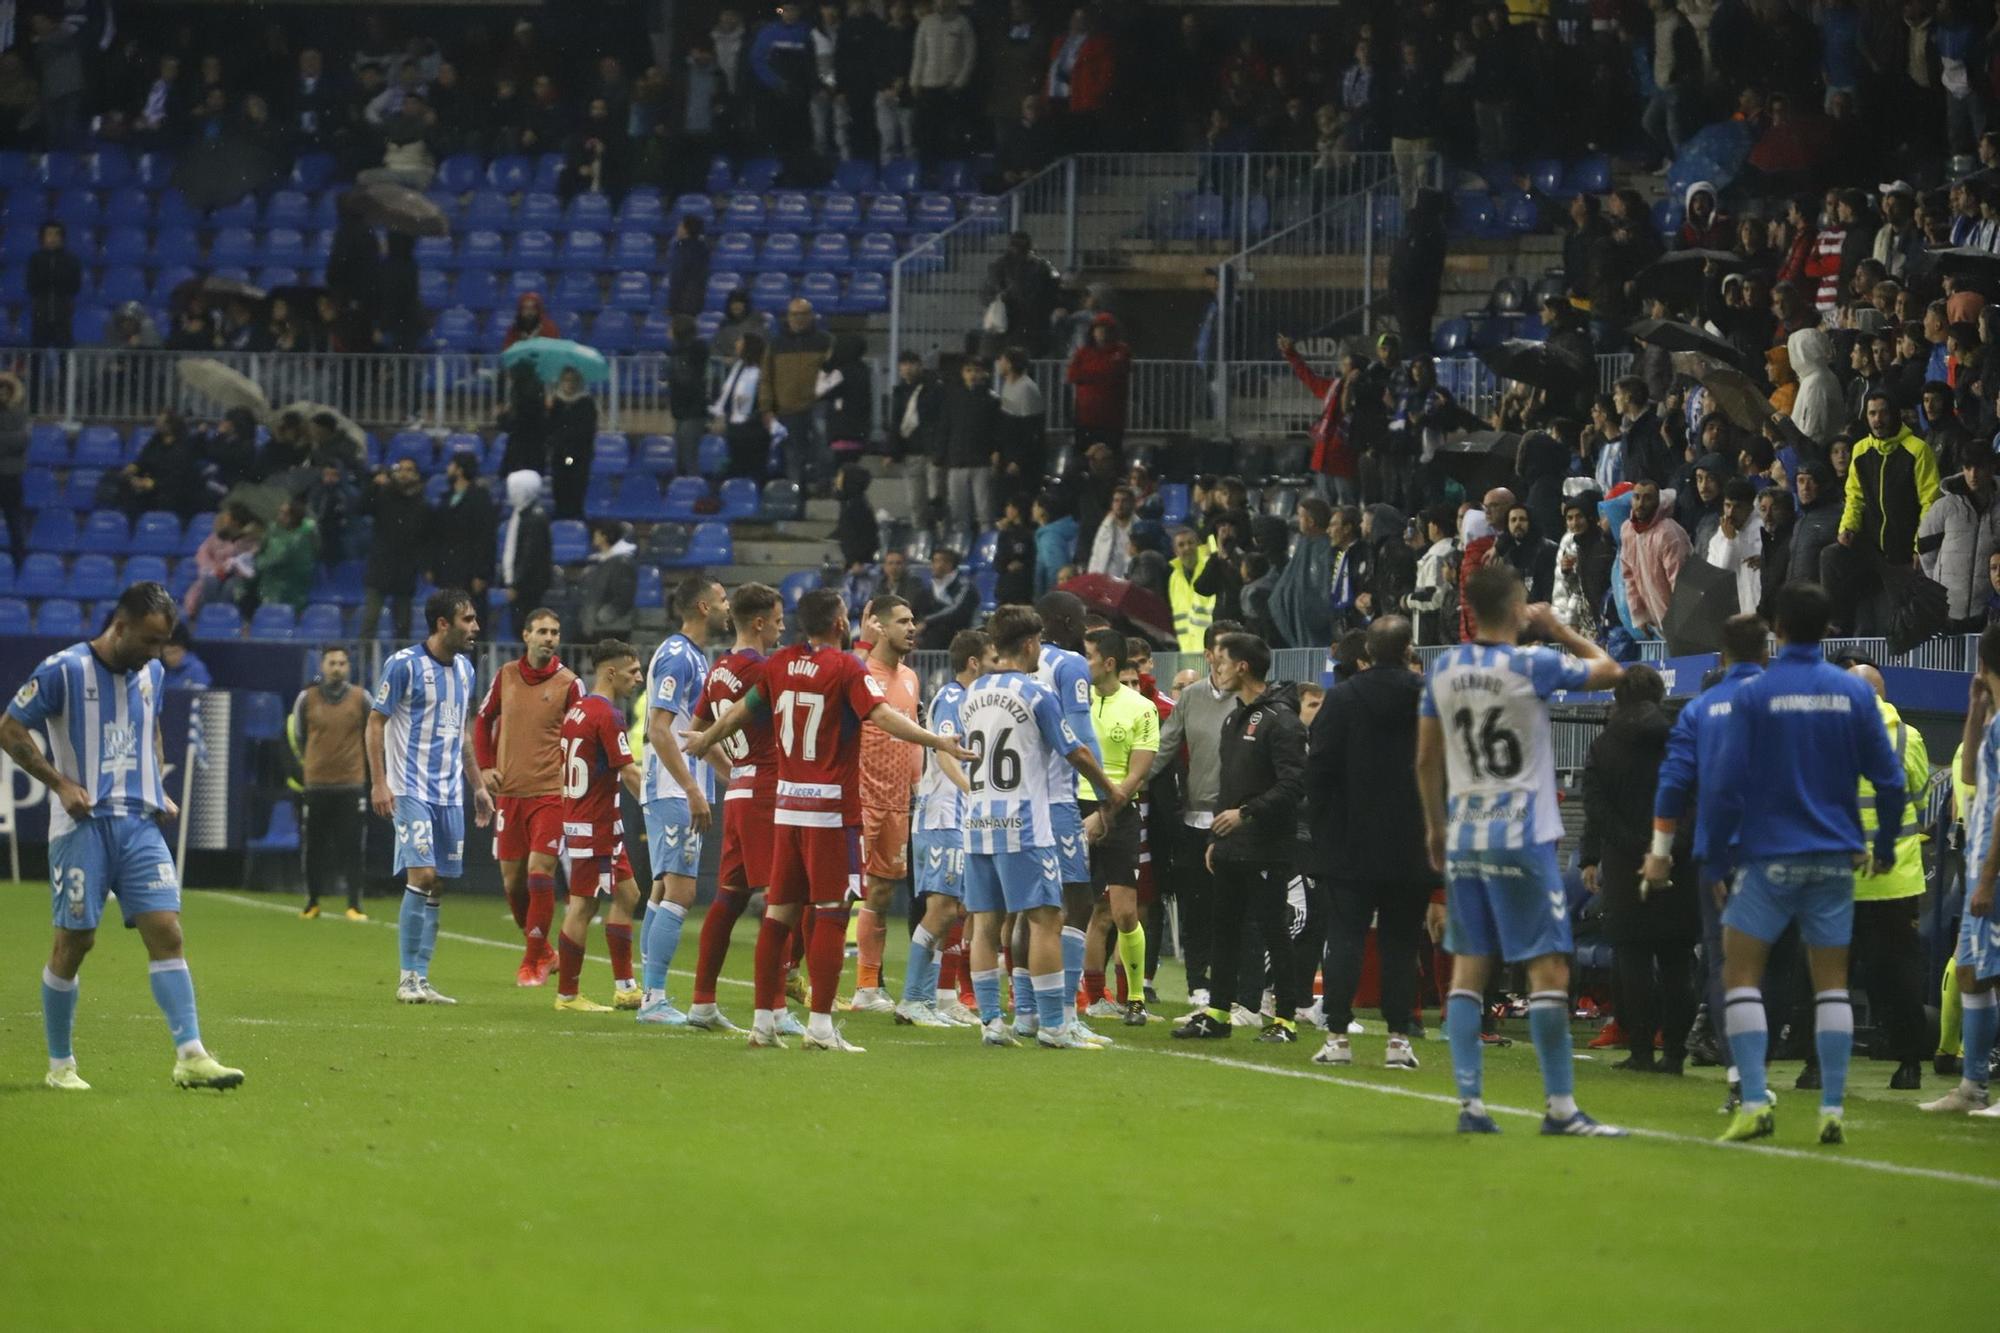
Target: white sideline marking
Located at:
point(1831, 1158)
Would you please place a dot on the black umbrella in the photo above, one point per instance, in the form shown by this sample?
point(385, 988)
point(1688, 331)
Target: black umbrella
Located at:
point(1732, 392)
point(1481, 459)
point(1672, 336)
point(1704, 597)
point(1967, 261)
point(1541, 365)
point(1677, 278)
point(399, 208)
point(1921, 608)
point(213, 292)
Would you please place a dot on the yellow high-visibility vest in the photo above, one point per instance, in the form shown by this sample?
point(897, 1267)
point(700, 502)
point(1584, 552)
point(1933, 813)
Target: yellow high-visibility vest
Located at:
point(1906, 878)
point(1193, 613)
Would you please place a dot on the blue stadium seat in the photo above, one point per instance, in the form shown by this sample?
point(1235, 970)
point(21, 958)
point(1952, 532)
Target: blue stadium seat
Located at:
point(839, 212)
point(611, 455)
point(1519, 213)
point(934, 212)
point(721, 174)
point(288, 208)
point(412, 444)
point(548, 172)
point(569, 540)
point(734, 250)
point(91, 325)
point(709, 322)
point(126, 282)
point(48, 445)
point(987, 581)
point(177, 246)
point(59, 617)
point(534, 248)
point(584, 250)
point(855, 176)
point(744, 213)
point(783, 252)
point(643, 210)
point(1588, 175)
point(41, 575)
point(76, 208)
point(633, 249)
point(93, 576)
point(81, 491)
point(199, 526)
point(172, 209)
point(900, 176)
point(274, 276)
point(14, 620)
point(577, 291)
point(829, 252)
point(984, 550)
point(323, 219)
point(105, 532)
point(524, 280)
point(600, 497)
point(591, 211)
point(638, 498)
point(274, 620)
point(611, 333)
point(771, 292)
point(720, 285)
point(433, 287)
point(759, 173)
point(125, 245)
point(659, 456)
point(321, 622)
point(1173, 502)
point(631, 290)
point(217, 620)
point(144, 569)
point(867, 294)
point(652, 592)
point(739, 499)
point(234, 245)
point(709, 547)
point(22, 238)
point(953, 177)
point(822, 289)
point(456, 329)
point(487, 210)
point(887, 212)
point(54, 530)
point(796, 585)
point(313, 171)
point(16, 169)
point(694, 206)
point(791, 210)
point(284, 245)
point(1453, 336)
point(242, 213)
point(510, 174)
point(108, 167)
point(569, 324)
point(477, 289)
point(712, 456)
point(682, 495)
point(459, 172)
point(876, 250)
point(539, 212)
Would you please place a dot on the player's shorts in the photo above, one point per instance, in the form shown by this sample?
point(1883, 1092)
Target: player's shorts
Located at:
point(1072, 853)
point(941, 862)
point(885, 842)
point(814, 865)
point(597, 876)
point(1012, 881)
point(1979, 944)
point(747, 822)
point(1814, 889)
point(124, 855)
point(526, 825)
point(1114, 858)
point(672, 845)
point(430, 835)
point(1508, 904)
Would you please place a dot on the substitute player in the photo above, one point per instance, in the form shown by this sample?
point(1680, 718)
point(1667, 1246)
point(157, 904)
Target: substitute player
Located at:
point(97, 704)
point(419, 749)
point(516, 739)
point(1062, 671)
point(1022, 752)
point(940, 844)
point(750, 759)
point(817, 695)
point(596, 758)
point(889, 772)
point(1483, 731)
point(1128, 736)
point(677, 795)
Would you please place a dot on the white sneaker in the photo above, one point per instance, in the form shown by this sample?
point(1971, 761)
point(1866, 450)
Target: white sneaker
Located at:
point(871, 1000)
point(1090, 1034)
point(997, 1033)
point(837, 1042)
point(709, 1018)
point(1027, 1027)
point(1335, 1051)
point(432, 995)
point(1400, 1054)
point(762, 1040)
point(1065, 1038)
point(409, 989)
point(1198, 999)
point(64, 1078)
point(953, 1011)
point(1957, 1101)
point(1241, 1017)
point(1985, 1113)
point(1312, 1016)
point(920, 1015)
point(789, 1025)
point(661, 1013)
point(1105, 1008)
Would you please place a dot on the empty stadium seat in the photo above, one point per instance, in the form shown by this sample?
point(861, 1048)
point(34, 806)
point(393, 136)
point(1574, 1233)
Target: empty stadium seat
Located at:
point(53, 530)
point(273, 620)
point(659, 456)
point(320, 622)
point(796, 585)
point(683, 494)
point(643, 210)
point(612, 454)
point(738, 498)
point(106, 533)
point(41, 575)
point(14, 618)
point(829, 252)
point(900, 176)
point(60, 617)
point(569, 541)
point(637, 498)
point(631, 290)
point(710, 546)
point(144, 569)
point(771, 292)
point(712, 456)
point(92, 577)
point(783, 252)
point(217, 620)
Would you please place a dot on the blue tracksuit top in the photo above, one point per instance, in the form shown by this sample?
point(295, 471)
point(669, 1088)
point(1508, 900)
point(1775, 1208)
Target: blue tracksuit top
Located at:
point(1694, 747)
point(1787, 782)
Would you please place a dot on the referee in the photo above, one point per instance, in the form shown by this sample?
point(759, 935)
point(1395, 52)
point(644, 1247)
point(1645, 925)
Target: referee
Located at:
point(1128, 732)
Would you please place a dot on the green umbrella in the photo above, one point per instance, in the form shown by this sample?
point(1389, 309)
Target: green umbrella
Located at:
point(552, 356)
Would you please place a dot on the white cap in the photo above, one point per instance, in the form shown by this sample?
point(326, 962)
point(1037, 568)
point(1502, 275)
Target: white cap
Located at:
point(1896, 187)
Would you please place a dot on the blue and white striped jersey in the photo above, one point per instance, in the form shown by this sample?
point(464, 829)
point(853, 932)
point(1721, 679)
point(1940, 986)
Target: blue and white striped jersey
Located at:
point(100, 725)
point(939, 804)
point(674, 680)
point(1500, 772)
point(1067, 676)
point(427, 703)
point(1985, 801)
point(1018, 732)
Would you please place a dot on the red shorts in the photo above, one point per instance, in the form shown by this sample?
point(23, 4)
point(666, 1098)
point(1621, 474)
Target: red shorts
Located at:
point(747, 822)
point(814, 865)
point(596, 876)
point(524, 825)
point(885, 842)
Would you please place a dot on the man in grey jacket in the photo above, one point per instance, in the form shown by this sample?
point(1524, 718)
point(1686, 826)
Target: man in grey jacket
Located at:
point(1956, 539)
point(1196, 724)
point(610, 584)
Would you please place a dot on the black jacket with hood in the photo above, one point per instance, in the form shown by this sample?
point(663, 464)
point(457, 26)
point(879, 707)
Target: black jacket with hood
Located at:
point(1366, 820)
point(1262, 760)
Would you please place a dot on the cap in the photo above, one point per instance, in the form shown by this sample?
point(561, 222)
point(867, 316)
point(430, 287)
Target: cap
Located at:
point(1896, 187)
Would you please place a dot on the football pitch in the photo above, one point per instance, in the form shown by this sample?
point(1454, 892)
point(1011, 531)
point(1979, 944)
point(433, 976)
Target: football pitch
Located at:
point(499, 1165)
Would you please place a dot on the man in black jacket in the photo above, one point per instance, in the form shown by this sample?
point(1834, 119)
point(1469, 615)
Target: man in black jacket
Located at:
point(55, 276)
point(462, 533)
point(954, 596)
point(914, 434)
point(1253, 842)
point(396, 546)
point(1368, 838)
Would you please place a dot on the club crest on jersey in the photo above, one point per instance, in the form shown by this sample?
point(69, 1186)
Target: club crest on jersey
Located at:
point(146, 690)
point(120, 752)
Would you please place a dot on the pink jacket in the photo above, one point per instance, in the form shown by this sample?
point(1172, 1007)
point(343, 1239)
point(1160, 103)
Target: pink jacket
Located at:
point(213, 559)
point(1652, 556)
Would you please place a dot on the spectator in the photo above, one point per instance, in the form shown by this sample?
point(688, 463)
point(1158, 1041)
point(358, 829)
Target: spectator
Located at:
point(1646, 453)
point(1022, 412)
point(1434, 602)
point(897, 579)
point(1100, 372)
point(1026, 144)
point(941, 69)
point(1014, 553)
point(1394, 560)
point(311, 105)
point(1055, 542)
point(787, 390)
point(1652, 549)
point(1532, 555)
point(687, 269)
point(1016, 48)
point(1416, 264)
point(687, 391)
point(1818, 522)
point(1024, 284)
point(1956, 541)
point(1693, 512)
point(285, 561)
point(409, 157)
point(395, 550)
point(895, 109)
point(915, 435)
point(1483, 527)
point(1779, 514)
point(1583, 567)
point(525, 420)
point(330, 501)
point(1892, 481)
point(1704, 226)
point(734, 415)
point(847, 392)
point(1149, 567)
point(1367, 837)
point(1353, 573)
point(955, 598)
point(531, 320)
point(1652, 932)
point(781, 61)
point(462, 534)
point(1819, 409)
point(223, 557)
point(1732, 539)
point(399, 316)
point(59, 57)
point(1082, 74)
point(1299, 606)
point(1193, 611)
point(1070, 329)
point(598, 156)
point(14, 436)
point(54, 279)
point(1415, 105)
point(165, 475)
point(527, 556)
point(969, 438)
point(1362, 95)
point(854, 526)
point(1944, 431)
point(1110, 545)
point(572, 442)
point(180, 667)
point(610, 582)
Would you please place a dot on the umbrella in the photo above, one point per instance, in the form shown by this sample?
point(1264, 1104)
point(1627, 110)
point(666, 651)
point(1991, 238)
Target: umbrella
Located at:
point(552, 356)
point(1704, 597)
point(1481, 443)
point(223, 172)
point(1715, 154)
point(1672, 336)
point(1679, 277)
point(399, 208)
point(1921, 607)
point(225, 384)
point(1542, 365)
point(341, 423)
point(260, 498)
point(1121, 598)
point(211, 292)
point(1732, 392)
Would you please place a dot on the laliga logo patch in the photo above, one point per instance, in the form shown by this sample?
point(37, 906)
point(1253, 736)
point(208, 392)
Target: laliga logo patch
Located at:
point(26, 694)
point(382, 692)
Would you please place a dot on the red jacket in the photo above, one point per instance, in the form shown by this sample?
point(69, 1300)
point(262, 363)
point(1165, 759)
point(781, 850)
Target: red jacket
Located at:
point(1090, 78)
point(1478, 552)
point(1331, 453)
point(546, 330)
point(1101, 375)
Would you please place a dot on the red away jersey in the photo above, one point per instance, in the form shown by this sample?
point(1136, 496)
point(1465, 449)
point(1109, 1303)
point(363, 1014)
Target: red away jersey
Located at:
point(817, 697)
point(594, 750)
point(753, 751)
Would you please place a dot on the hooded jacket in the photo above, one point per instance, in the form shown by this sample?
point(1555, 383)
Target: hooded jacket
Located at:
point(1580, 587)
point(1299, 605)
point(1954, 543)
point(546, 329)
point(843, 385)
point(1718, 233)
point(1100, 375)
point(1816, 527)
point(1395, 573)
point(1891, 484)
point(610, 587)
point(1652, 554)
point(1262, 768)
point(1361, 780)
point(527, 563)
point(1818, 409)
point(1544, 464)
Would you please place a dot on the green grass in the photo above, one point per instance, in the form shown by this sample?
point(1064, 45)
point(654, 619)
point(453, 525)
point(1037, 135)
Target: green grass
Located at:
point(500, 1165)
